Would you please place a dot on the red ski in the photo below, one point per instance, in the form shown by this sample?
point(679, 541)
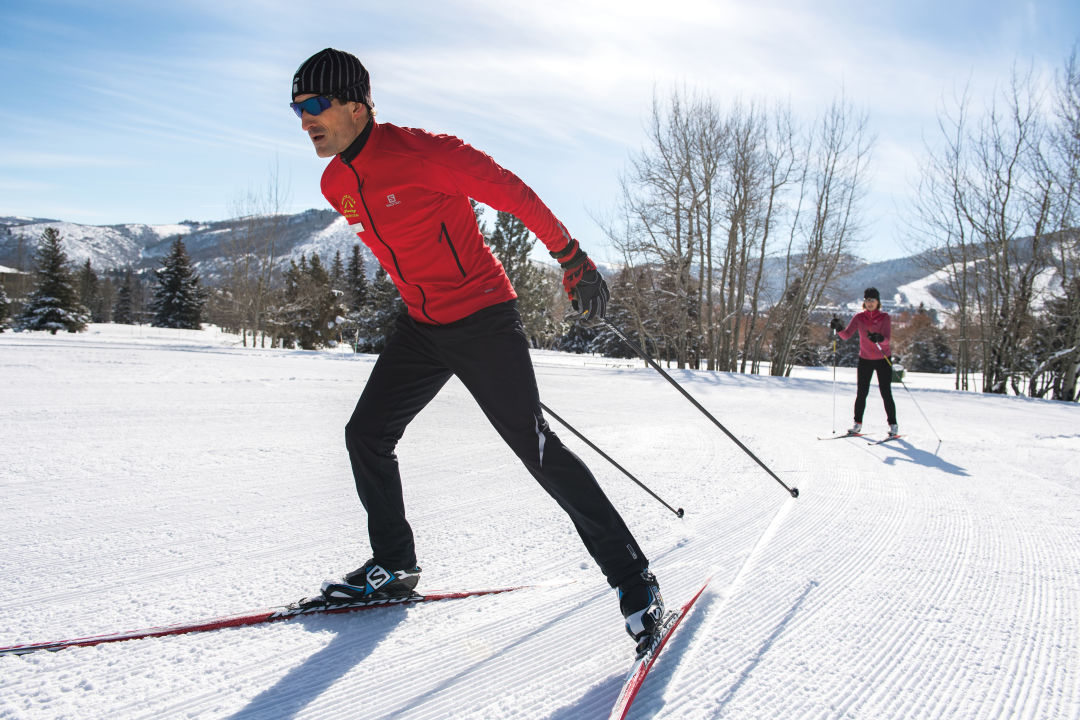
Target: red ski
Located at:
point(252, 618)
point(644, 662)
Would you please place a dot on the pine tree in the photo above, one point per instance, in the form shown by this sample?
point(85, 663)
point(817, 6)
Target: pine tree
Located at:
point(378, 319)
point(178, 299)
point(356, 291)
point(927, 347)
point(309, 309)
point(54, 304)
point(4, 309)
point(124, 309)
point(511, 242)
point(90, 292)
point(337, 271)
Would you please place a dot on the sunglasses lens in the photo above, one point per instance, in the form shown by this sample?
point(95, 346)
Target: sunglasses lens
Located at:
point(311, 106)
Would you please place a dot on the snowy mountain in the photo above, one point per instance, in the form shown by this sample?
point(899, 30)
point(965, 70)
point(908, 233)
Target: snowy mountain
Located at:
point(153, 476)
point(903, 282)
point(209, 244)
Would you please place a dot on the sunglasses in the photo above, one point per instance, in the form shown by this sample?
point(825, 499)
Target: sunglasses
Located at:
point(312, 106)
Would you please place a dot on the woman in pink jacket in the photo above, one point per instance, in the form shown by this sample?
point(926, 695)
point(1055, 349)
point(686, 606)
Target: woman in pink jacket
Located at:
point(876, 329)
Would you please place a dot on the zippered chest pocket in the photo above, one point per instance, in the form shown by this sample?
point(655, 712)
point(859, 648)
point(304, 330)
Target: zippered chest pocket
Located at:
point(444, 237)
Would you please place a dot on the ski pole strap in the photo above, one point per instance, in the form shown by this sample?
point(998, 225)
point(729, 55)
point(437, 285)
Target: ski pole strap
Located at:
point(794, 492)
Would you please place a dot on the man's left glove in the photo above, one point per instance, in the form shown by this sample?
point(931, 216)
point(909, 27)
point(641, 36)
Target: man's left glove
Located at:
point(583, 283)
point(875, 337)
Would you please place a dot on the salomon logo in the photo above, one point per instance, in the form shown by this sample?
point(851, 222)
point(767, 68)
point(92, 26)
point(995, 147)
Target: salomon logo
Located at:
point(377, 577)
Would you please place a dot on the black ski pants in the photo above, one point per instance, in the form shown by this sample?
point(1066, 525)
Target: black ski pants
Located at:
point(865, 372)
point(488, 351)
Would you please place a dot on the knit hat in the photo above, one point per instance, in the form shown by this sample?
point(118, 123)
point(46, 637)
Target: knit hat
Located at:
point(871, 294)
point(335, 73)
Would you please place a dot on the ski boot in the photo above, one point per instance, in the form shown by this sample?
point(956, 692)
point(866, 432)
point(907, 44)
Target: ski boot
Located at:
point(641, 606)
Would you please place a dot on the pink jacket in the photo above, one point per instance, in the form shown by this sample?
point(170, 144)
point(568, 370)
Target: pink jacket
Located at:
point(870, 321)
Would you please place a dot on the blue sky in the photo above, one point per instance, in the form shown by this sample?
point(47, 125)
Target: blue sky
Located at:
point(138, 112)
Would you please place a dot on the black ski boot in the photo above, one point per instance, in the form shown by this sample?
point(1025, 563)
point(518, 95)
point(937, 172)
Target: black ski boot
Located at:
point(642, 606)
point(372, 582)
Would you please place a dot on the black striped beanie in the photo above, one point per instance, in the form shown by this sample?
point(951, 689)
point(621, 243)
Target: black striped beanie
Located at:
point(335, 73)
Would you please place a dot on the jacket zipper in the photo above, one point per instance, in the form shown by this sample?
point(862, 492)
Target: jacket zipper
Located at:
point(393, 255)
point(444, 233)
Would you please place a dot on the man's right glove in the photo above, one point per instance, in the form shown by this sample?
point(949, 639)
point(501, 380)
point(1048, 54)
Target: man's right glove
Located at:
point(875, 337)
point(836, 324)
point(583, 283)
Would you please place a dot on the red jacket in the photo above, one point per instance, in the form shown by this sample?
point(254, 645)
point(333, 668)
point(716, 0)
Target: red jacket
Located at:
point(870, 321)
point(405, 192)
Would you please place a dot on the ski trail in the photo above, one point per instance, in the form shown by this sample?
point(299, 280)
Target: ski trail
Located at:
point(703, 617)
point(755, 553)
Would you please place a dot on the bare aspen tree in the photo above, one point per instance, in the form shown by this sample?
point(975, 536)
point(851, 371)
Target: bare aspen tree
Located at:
point(780, 167)
point(252, 256)
point(759, 161)
point(825, 225)
point(659, 206)
point(992, 197)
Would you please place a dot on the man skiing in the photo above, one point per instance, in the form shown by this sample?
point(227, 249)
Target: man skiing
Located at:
point(876, 327)
point(405, 192)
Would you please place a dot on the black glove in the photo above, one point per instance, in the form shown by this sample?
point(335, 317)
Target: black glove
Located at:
point(584, 285)
point(590, 295)
point(875, 337)
point(836, 324)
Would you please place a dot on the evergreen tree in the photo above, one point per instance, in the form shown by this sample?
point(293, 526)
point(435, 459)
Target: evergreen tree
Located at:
point(1055, 348)
point(54, 304)
point(927, 347)
point(378, 318)
point(511, 242)
point(178, 299)
point(4, 309)
point(124, 309)
point(309, 311)
point(337, 272)
point(90, 292)
point(356, 282)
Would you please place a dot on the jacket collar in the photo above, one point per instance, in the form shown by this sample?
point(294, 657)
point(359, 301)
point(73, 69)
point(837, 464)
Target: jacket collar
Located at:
point(349, 154)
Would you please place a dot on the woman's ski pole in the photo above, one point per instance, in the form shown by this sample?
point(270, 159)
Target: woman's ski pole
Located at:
point(910, 393)
point(644, 356)
point(834, 380)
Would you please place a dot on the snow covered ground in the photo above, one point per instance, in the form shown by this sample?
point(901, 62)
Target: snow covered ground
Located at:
point(152, 476)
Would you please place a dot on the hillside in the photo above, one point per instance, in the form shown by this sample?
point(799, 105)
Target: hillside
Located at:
point(143, 246)
point(905, 282)
point(152, 476)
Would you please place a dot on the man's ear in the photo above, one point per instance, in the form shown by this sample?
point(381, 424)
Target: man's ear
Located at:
point(360, 113)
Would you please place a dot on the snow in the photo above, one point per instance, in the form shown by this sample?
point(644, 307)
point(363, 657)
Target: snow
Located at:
point(166, 232)
point(919, 292)
point(153, 476)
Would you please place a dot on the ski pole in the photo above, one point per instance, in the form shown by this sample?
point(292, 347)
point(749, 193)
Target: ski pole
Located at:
point(644, 356)
point(678, 512)
point(834, 380)
point(909, 393)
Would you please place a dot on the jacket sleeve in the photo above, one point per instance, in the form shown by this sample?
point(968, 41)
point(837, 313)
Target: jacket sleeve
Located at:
point(851, 328)
point(886, 327)
point(456, 167)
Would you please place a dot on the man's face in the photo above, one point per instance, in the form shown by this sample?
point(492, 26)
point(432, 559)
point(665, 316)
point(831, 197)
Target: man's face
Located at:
point(334, 129)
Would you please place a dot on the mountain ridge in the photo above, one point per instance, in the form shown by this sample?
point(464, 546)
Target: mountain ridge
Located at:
point(903, 282)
